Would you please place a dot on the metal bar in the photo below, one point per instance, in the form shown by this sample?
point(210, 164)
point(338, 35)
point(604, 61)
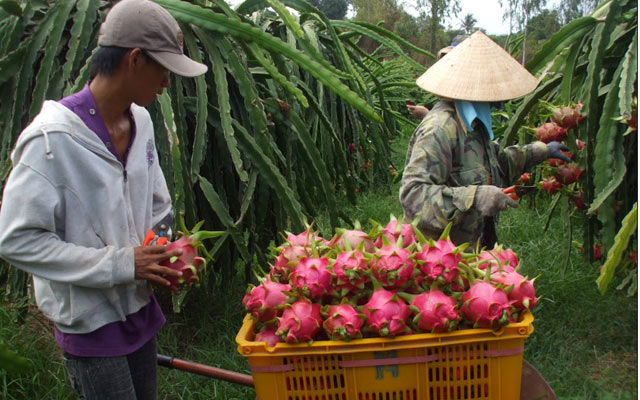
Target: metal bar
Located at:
point(205, 370)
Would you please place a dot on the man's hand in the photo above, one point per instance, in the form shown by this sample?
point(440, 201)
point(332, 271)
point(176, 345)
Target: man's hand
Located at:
point(490, 200)
point(556, 149)
point(418, 112)
point(147, 263)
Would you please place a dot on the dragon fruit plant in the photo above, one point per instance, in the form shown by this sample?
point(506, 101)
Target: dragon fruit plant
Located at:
point(550, 132)
point(376, 284)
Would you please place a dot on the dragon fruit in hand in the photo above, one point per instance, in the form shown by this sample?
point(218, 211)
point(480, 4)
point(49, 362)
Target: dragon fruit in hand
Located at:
point(189, 263)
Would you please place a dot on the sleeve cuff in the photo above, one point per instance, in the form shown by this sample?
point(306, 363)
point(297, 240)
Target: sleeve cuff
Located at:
point(124, 268)
point(463, 197)
point(539, 152)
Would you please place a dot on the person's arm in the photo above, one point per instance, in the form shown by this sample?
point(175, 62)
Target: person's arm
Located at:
point(515, 160)
point(424, 193)
point(29, 219)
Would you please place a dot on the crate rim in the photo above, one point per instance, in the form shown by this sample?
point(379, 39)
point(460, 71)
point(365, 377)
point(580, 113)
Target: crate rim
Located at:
point(247, 348)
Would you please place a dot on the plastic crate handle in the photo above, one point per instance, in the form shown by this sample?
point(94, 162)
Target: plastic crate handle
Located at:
point(386, 361)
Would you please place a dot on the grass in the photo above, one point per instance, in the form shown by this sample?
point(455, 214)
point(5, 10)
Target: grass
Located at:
point(584, 344)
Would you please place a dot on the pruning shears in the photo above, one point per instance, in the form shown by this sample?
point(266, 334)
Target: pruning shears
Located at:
point(159, 234)
point(517, 191)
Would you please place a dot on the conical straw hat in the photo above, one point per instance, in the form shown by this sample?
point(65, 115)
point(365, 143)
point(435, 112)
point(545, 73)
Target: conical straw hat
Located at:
point(478, 69)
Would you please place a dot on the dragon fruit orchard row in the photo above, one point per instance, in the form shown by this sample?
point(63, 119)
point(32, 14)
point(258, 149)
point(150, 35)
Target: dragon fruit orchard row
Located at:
point(388, 282)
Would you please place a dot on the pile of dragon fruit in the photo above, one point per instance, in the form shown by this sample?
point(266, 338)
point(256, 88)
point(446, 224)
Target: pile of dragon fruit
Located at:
point(387, 282)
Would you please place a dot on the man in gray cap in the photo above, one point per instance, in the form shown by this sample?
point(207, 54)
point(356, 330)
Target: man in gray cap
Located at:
point(85, 187)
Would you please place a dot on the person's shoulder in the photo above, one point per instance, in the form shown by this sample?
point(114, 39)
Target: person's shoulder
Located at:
point(440, 120)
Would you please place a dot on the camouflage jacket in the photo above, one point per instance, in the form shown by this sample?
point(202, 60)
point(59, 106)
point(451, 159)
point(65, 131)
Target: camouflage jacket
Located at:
point(444, 166)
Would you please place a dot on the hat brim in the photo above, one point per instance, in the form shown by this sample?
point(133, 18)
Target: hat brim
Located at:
point(478, 69)
point(178, 63)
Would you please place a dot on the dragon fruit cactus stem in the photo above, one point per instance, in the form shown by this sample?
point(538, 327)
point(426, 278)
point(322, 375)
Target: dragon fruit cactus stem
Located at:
point(435, 312)
point(343, 322)
point(264, 300)
point(312, 277)
point(486, 306)
point(386, 313)
point(300, 322)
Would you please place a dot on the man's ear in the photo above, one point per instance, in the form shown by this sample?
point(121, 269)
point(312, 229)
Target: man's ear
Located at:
point(134, 58)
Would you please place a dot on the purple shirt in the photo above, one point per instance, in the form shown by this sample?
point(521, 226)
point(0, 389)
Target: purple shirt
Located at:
point(120, 337)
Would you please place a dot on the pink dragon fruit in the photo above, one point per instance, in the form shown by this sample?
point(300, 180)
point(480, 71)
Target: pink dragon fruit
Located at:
point(188, 263)
point(439, 259)
point(305, 239)
point(264, 300)
point(568, 117)
point(349, 272)
point(435, 311)
point(300, 322)
point(567, 174)
point(285, 262)
point(268, 334)
point(486, 306)
point(394, 230)
point(507, 258)
point(343, 322)
point(392, 266)
point(312, 278)
point(551, 132)
point(386, 312)
point(347, 240)
point(520, 290)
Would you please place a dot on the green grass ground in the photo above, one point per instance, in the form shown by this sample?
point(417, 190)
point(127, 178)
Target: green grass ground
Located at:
point(584, 344)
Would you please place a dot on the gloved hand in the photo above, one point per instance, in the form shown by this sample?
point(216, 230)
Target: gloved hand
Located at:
point(490, 200)
point(555, 151)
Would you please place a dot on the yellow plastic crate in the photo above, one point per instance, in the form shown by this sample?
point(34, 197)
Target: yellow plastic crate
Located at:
point(466, 364)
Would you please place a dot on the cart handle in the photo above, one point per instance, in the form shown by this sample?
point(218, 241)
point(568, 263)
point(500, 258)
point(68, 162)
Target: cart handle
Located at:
point(205, 370)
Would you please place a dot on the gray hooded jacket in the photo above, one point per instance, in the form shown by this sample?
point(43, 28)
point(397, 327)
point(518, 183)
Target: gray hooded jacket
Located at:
point(71, 216)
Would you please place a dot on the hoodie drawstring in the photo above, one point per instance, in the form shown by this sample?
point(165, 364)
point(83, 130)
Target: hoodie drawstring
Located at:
point(47, 145)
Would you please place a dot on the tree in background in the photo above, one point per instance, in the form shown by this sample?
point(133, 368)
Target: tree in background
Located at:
point(468, 24)
point(543, 25)
point(436, 10)
point(334, 9)
point(569, 10)
point(521, 11)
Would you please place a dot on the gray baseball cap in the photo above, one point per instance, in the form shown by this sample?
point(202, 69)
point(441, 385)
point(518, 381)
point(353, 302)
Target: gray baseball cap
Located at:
point(145, 24)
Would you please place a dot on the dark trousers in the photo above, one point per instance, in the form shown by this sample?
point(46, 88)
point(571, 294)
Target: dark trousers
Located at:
point(130, 377)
